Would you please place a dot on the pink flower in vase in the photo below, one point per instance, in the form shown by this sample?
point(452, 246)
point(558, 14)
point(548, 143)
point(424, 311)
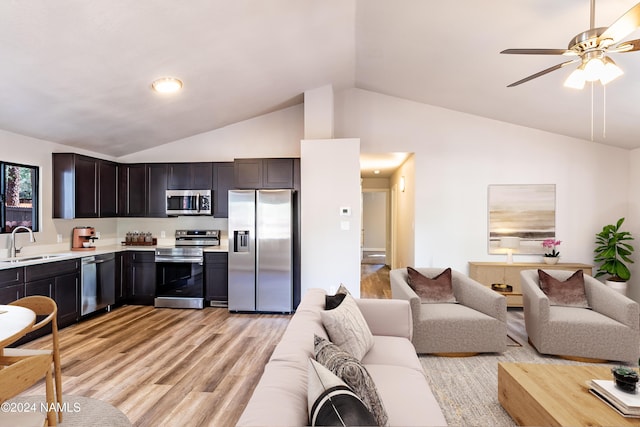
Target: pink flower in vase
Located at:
point(551, 244)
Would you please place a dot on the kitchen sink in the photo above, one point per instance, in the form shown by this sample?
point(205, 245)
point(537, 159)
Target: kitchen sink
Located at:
point(44, 257)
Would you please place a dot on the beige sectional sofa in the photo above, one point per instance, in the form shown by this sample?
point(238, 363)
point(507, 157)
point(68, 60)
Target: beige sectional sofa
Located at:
point(280, 398)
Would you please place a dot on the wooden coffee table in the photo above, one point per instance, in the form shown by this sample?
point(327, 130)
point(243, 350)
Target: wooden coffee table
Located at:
point(555, 395)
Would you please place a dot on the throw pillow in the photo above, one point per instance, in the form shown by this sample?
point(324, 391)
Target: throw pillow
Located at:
point(353, 373)
point(331, 402)
point(568, 293)
point(332, 301)
point(347, 328)
point(432, 290)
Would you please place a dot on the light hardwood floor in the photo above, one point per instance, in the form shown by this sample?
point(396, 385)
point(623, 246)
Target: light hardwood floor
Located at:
point(176, 367)
point(165, 366)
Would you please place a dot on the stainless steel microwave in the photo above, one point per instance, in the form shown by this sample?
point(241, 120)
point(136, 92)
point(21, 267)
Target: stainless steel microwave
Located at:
point(189, 202)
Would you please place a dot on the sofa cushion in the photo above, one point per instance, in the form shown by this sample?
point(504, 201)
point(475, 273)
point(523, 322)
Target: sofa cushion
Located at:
point(431, 290)
point(392, 351)
point(567, 293)
point(353, 373)
point(407, 397)
point(331, 402)
point(347, 328)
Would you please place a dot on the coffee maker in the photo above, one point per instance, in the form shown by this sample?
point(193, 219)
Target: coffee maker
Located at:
point(82, 239)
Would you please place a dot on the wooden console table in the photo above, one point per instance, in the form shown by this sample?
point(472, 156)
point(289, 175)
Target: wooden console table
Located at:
point(488, 273)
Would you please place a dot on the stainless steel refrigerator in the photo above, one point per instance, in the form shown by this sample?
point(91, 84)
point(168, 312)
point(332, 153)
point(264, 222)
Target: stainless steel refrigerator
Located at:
point(261, 224)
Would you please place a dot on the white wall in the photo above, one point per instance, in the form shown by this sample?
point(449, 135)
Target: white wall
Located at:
point(458, 155)
point(403, 213)
point(330, 180)
point(37, 152)
point(632, 221)
point(277, 134)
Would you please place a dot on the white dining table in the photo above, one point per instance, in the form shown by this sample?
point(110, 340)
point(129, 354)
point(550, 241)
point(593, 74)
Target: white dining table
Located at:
point(15, 322)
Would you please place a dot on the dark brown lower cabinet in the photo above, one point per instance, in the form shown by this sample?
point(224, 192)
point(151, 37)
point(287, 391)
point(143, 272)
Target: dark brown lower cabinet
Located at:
point(141, 277)
point(11, 285)
point(216, 278)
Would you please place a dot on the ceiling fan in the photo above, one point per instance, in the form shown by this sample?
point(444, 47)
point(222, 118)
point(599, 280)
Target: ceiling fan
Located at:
point(591, 47)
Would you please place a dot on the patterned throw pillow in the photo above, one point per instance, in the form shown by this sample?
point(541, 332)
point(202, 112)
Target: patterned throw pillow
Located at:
point(432, 290)
point(568, 293)
point(331, 402)
point(347, 328)
point(353, 373)
point(332, 301)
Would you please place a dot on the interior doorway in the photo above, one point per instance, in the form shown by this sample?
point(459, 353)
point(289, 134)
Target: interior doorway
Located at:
point(375, 226)
point(384, 208)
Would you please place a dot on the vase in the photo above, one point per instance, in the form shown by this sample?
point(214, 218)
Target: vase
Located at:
point(551, 259)
point(620, 287)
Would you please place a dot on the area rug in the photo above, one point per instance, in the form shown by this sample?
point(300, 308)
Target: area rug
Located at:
point(467, 387)
point(79, 411)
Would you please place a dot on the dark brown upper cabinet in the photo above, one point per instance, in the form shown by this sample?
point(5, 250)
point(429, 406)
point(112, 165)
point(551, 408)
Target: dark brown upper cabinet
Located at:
point(190, 176)
point(223, 182)
point(264, 173)
point(84, 187)
point(143, 190)
point(156, 190)
point(133, 189)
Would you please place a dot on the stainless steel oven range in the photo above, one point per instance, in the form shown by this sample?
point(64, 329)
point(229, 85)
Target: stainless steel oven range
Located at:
point(179, 269)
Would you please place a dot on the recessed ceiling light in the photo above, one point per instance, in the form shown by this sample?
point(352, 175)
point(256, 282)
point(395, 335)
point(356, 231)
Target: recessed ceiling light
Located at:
point(377, 172)
point(167, 85)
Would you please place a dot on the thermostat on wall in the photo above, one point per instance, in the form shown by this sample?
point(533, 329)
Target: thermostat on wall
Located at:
point(345, 211)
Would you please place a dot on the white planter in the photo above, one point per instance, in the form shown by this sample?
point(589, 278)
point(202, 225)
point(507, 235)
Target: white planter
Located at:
point(551, 259)
point(620, 287)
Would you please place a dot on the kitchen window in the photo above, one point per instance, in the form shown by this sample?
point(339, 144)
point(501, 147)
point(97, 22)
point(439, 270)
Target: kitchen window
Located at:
point(19, 195)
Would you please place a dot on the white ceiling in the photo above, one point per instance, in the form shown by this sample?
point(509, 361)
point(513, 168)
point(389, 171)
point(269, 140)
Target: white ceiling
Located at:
point(79, 72)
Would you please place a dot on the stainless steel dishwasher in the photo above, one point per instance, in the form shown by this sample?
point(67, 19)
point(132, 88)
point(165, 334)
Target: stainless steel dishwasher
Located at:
point(98, 283)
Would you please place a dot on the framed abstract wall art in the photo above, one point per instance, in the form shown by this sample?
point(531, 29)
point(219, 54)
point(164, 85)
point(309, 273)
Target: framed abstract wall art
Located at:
point(527, 211)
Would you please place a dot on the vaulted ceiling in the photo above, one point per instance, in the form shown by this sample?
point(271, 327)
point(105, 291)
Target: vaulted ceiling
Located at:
point(79, 72)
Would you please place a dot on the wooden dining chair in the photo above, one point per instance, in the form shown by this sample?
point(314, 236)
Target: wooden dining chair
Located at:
point(18, 374)
point(42, 306)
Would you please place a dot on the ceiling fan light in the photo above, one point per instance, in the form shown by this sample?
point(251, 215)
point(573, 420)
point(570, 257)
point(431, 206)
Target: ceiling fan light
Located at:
point(610, 71)
point(593, 69)
point(576, 79)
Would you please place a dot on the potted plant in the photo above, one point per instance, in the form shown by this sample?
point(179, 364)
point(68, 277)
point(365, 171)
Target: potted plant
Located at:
point(625, 378)
point(613, 253)
point(553, 256)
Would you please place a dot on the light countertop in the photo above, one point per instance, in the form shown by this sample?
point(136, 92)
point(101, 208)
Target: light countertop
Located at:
point(34, 259)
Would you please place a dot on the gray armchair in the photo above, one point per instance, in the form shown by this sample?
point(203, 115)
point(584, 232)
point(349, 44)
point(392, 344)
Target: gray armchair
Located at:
point(610, 330)
point(476, 324)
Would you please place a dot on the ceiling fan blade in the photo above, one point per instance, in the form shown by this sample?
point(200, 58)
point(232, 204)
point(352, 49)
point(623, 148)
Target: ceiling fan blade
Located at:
point(543, 72)
point(628, 46)
point(625, 25)
point(539, 51)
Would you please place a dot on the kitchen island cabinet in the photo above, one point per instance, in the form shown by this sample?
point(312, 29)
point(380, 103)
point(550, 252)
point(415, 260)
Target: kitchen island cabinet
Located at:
point(216, 277)
point(141, 277)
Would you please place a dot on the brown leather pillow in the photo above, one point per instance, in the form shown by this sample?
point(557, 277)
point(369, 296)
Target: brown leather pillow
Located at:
point(432, 290)
point(568, 293)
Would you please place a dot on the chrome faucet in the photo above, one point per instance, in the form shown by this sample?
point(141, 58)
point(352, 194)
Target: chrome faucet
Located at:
point(12, 249)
